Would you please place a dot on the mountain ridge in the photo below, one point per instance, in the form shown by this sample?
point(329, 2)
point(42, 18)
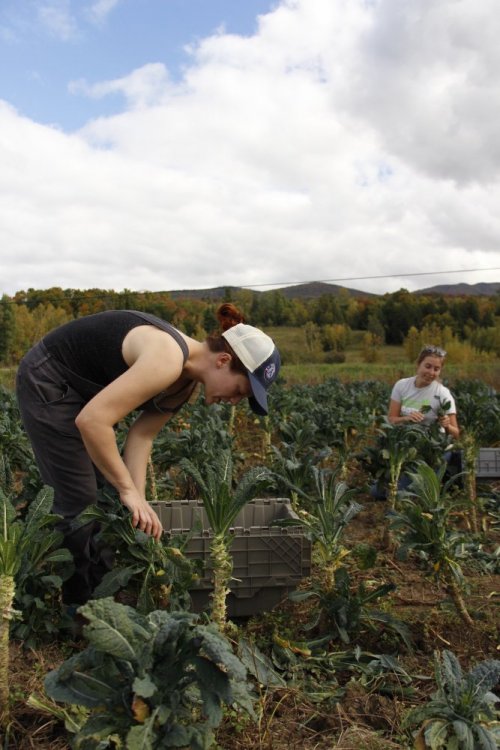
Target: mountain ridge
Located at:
point(315, 289)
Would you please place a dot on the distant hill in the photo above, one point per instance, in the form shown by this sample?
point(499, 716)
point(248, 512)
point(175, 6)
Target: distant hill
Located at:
point(216, 293)
point(310, 290)
point(487, 289)
point(315, 289)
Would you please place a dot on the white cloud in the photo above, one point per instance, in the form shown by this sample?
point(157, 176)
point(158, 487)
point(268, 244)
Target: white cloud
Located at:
point(58, 19)
point(144, 87)
point(424, 75)
point(343, 139)
point(99, 11)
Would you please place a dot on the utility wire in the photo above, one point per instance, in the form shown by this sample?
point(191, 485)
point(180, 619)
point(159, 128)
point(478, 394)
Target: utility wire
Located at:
point(364, 278)
point(113, 293)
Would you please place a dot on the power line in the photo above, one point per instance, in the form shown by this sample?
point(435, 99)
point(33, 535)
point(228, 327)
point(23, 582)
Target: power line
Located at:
point(365, 278)
point(113, 293)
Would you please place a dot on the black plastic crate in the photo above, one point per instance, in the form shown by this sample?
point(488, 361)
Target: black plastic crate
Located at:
point(268, 561)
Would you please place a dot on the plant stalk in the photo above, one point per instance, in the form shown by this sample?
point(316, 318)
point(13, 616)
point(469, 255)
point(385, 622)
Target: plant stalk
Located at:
point(7, 591)
point(458, 601)
point(223, 568)
point(469, 454)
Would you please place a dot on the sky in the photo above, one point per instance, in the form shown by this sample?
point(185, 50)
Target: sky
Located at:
point(187, 144)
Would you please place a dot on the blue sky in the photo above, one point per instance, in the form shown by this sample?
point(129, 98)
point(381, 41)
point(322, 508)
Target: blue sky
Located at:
point(44, 46)
point(175, 144)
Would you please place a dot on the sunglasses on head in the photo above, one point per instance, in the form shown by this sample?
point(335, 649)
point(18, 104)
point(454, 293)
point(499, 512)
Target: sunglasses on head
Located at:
point(433, 350)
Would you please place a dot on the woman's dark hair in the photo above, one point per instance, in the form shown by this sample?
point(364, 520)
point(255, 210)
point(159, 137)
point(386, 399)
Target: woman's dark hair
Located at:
point(228, 316)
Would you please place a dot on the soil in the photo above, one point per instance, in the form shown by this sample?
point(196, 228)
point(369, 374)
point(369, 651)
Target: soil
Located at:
point(350, 715)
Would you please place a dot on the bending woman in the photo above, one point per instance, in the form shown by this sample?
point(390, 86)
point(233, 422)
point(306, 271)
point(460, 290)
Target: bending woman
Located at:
point(85, 376)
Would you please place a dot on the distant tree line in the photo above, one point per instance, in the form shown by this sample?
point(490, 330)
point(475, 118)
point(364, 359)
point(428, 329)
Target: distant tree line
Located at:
point(28, 315)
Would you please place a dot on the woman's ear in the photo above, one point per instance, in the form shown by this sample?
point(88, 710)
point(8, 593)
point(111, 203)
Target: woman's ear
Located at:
point(223, 359)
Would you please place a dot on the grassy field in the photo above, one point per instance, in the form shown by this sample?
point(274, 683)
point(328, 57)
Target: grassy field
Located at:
point(392, 363)
point(387, 372)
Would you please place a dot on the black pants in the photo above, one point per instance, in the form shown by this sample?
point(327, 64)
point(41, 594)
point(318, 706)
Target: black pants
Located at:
point(49, 404)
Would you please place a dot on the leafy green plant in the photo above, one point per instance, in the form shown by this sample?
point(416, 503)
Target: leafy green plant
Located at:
point(479, 416)
point(330, 509)
point(344, 415)
point(222, 502)
point(337, 605)
point(463, 713)
point(396, 451)
point(422, 522)
point(197, 434)
point(8, 569)
point(155, 575)
point(299, 430)
point(347, 610)
point(331, 415)
point(399, 451)
point(442, 408)
point(313, 664)
point(293, 470)
point(29, 550)
point(19, 475)
point(158, 681)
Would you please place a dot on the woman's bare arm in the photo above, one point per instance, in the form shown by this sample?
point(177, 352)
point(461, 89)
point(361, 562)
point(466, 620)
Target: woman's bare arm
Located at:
point(138, 444)
point(158, 365)
point(395, 417)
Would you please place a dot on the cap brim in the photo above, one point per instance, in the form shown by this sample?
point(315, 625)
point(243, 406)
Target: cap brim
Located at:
point(258, 401)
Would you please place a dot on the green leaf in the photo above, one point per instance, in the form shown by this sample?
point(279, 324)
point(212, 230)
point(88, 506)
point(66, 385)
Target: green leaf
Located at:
point(452, 670)
point(115, 580)
point(435, 734)
point(80, 688)
point(259, 665)
point(61, 555)
point(144, 736)
point(176, 736)
point(486, 674)
point(145, 687)
point(486, 739)
point(7, 515)
point(97, 727)
point(463, 734)
point(301, 596)
point(115, 629)
point(38, 510)
point(217, 648)
point(213, 679)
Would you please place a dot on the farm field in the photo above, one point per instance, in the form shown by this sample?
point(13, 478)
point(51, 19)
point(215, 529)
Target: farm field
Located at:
point(345, 663)
point(370, 713)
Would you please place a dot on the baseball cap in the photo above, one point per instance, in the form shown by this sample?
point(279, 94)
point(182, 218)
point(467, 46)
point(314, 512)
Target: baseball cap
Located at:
point(258, 353)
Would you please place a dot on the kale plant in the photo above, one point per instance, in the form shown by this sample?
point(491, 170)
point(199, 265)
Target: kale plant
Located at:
point(463, 713)
point(158, 681)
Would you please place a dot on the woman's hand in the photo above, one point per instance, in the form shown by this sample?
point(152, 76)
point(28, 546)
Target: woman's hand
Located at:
point(414, 416)
point(450, 424)
point(143, 515)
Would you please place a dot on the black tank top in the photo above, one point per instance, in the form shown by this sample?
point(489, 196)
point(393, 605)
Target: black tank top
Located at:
point(91, 347)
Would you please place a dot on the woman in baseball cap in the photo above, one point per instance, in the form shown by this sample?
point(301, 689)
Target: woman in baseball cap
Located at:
point(87, 375)
point(252, 352)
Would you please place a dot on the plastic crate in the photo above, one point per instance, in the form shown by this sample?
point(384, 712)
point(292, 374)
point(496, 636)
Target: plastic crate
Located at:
point(268, 561)
point(488, 463)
